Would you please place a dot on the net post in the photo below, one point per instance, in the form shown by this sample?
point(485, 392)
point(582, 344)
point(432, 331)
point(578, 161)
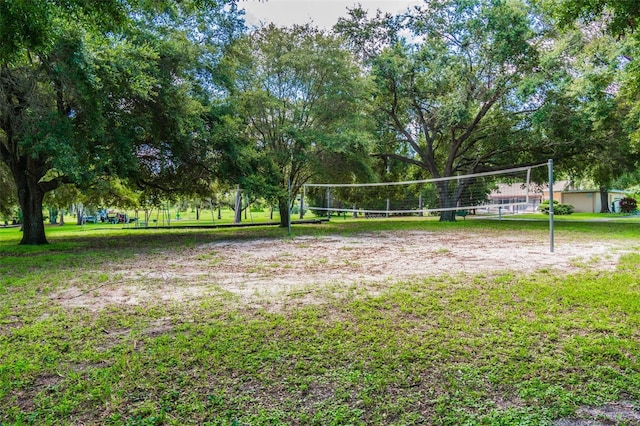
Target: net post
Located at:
point(304, 193)
point(289, 207)
point(328, 203)
point(551, 230)
point(528, 187)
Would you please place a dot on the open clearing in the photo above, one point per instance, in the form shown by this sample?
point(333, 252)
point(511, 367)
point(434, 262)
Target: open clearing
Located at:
point(345, 323)
point(258, 269)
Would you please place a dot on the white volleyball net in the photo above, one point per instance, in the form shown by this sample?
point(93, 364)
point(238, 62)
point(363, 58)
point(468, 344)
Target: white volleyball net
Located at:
point(494, 192)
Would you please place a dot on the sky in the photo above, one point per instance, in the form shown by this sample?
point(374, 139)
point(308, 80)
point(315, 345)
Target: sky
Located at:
point(323, 13)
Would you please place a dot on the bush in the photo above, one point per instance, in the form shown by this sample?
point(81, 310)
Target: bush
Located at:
point(628, 205)
point(558, 209)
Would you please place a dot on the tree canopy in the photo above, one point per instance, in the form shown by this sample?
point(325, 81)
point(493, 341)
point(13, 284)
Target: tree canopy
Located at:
point(454, 98)
point(300, 98)
point(169, 97)
point(89, 89)
point(601, 54)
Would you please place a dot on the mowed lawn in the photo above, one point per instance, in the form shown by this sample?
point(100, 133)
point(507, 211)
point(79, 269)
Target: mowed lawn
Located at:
point(533, 347)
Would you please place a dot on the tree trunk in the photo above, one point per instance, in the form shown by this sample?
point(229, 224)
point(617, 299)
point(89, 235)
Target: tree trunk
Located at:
point(79, 213)
point(238, 206)
point(604, 200)
point(448, 216)
point(283, 206)
point(53, 216)
point(30, 197)
point(446, 201)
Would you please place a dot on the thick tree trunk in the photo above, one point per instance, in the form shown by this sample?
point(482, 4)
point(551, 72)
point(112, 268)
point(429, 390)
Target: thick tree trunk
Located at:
point(604, 200)
point(448, 216)
point(30, 197)
point(283, 206)
point(446, 201)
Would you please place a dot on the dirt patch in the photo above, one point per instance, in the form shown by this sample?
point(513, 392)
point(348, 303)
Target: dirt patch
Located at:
point(277, 267)
point(618, 413)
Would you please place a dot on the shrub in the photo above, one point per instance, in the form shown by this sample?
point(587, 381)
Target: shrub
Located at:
point(628, 205)
point(558, 209)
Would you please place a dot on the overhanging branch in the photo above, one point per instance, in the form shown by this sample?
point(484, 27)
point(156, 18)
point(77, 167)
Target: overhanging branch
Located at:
point(54, 183)
point(401, 158)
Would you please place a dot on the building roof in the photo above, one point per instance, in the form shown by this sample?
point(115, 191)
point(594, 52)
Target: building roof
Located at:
point(588, 191)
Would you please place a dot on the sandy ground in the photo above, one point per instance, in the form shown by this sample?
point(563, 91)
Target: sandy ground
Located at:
point(278, 267)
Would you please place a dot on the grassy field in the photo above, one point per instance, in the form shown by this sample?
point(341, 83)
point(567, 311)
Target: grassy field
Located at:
point(189, 217)
point(504, 348)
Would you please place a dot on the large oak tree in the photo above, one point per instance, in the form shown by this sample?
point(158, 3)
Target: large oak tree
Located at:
point(454, 97)
point(89, 89)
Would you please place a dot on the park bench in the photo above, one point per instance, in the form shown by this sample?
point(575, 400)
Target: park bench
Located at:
point(462, 213)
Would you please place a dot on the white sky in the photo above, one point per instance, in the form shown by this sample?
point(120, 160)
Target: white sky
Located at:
point(323, 13)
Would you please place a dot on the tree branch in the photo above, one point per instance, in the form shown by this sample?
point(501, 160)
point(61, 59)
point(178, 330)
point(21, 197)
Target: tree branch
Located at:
point(54, 183)
point(401, 158)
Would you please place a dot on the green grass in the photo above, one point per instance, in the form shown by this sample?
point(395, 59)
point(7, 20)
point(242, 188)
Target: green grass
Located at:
point(578, 217)
point(463, 349)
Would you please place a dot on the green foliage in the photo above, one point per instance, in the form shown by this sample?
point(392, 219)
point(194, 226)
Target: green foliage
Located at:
point(452, 101)
point(34, 26)
point(298, 94)
point(558, 209)
point(628, 205)
point(108, 89)
point(598, 129)
point(588, 113)
point(623, 16)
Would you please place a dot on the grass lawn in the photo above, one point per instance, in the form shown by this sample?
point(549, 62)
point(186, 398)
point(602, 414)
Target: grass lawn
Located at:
point(578, 217)
point(504, 348)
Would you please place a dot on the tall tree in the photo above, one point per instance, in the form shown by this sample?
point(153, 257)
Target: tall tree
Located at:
point(623, 16)
point(602, 57)
point(298, 93)
point(100, 88)
point(452, 98)
point(606, 150)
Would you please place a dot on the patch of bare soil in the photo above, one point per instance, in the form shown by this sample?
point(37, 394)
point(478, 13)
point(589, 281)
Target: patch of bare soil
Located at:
point(618, 413)
point(278, 267)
